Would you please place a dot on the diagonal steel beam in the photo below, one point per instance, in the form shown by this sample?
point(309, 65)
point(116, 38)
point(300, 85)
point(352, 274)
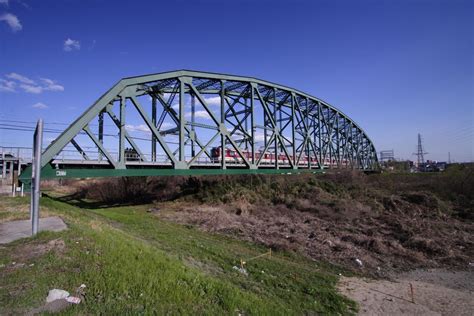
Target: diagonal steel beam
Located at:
point(79, 149)
point(115, 119)
point(101, 148)
point(153, 129)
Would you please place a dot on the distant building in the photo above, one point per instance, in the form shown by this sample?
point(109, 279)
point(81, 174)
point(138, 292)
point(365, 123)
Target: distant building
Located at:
point(432, 166)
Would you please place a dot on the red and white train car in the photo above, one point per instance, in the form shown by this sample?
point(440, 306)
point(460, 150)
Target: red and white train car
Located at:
point(233, 157)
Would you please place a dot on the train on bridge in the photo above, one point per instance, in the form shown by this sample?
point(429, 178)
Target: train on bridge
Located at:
point(233, 157)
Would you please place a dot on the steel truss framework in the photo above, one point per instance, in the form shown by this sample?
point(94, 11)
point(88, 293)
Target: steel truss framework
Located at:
point(253, 118)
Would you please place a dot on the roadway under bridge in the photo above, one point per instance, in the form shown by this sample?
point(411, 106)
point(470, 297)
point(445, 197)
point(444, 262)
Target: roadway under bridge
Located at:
point(188, 122)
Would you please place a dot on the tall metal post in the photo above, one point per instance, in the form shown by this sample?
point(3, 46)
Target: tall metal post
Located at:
point(252, 122)
point(35, 176)
point(153, 120)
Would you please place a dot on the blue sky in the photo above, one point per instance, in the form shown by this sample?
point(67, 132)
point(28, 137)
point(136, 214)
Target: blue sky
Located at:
point(397, 68)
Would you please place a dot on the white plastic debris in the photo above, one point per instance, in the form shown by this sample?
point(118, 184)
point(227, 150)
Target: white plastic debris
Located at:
point(241, 270)
point(73, 299)
point(56, 294)
point(359, 262)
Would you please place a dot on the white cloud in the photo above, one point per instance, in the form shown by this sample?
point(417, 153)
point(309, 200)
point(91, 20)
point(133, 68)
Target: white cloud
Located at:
point(213, 100)
point(259, 136)
point(4, 2)
point(137, 128)
point(18, 77)
point(40, 106)
point(28, 85)
point(167, 125)
point(145, 129)
point(51, 85)
point(31, 89)
point(70, 45)
point(12, 21)
point(199, 114)
point(7, 86)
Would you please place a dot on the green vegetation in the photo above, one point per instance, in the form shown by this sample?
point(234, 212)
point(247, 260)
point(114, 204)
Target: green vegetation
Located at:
point(135, 261)
point(132, 262)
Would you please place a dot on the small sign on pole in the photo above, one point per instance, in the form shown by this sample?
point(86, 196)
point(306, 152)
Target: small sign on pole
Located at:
point(35, 176)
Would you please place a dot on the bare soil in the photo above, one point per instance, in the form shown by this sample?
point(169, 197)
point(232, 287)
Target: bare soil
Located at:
point(432, 292)
point(383, 242)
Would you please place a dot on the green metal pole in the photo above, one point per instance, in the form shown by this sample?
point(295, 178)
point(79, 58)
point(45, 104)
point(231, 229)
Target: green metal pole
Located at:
point(121, 159)
point(181, 121)
point(101, 133)
point(293, 136)
point(275, 128)
point(252, 121)
point(153, 120)
point(223, 146)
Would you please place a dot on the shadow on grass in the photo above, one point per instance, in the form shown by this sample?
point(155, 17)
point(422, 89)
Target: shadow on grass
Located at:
point(77, 200)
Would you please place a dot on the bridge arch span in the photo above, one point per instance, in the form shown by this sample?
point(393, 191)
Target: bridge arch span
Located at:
point(190, 122)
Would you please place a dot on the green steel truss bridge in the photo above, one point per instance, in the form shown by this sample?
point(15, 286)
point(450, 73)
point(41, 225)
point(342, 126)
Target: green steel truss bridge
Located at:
point(188, 122)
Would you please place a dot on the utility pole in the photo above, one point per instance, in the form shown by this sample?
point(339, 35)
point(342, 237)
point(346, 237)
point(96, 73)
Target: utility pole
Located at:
point(449, 157)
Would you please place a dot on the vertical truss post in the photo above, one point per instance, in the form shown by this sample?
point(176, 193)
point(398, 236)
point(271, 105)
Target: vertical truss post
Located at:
point(252, 121)
point(275, 128)
point(315, 136)
point(308, 136)
point(181, 121)
point(246, 123)
point(222, 122)
point(153, 120)
point(352, 145)
point(293, 130)
point(101, 133)
point(321, 162)
point(338, 148)
point(121, 160)
point(193, 118)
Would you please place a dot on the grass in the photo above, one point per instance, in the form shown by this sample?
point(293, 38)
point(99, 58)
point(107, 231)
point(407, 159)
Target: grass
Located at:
point(134, 263)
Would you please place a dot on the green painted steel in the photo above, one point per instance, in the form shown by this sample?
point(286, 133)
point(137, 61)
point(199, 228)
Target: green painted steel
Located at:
point(300, 131)
point(48, 172)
